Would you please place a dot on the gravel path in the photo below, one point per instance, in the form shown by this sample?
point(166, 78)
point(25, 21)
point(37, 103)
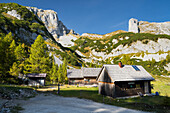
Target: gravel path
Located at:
point(57, 104)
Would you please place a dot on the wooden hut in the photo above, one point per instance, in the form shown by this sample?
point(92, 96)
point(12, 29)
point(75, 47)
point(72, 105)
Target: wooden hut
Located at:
point(90, 75)
point(36, 79)
point(123, 80)
point(75, 76)
point(86, 76)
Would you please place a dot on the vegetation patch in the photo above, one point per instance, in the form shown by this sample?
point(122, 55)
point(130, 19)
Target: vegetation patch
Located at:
point(147, 103)
point(161, 85)
point(106, 45)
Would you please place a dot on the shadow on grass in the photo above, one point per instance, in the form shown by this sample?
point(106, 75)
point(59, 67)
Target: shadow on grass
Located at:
point(148, 103)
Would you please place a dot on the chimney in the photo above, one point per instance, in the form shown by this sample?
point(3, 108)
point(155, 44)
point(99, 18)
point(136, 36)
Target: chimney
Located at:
point(120, 64)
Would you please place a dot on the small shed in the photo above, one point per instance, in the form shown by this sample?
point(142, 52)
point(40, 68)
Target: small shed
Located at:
point(75, 76)
point(90, 75)
point(85, 76)
point(123, 80)
point(36, 79)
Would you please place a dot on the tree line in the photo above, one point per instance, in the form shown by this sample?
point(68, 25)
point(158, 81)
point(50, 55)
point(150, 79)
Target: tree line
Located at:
point(18, 59)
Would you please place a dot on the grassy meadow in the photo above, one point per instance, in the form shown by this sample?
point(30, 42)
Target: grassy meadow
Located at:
point(148, 103)
point(160, 104)
point(161, 85)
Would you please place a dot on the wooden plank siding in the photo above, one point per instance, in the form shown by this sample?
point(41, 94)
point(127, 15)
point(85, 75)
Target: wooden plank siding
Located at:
point(118, 81)
point(107, 89)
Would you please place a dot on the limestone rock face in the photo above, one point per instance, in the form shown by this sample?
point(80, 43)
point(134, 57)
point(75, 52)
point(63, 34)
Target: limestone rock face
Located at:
point(14, 14)
point(51, 21)
point(146, 27)
point(154, 28)
point(133, 25)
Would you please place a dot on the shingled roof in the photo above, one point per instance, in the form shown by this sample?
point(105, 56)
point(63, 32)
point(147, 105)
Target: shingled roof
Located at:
point(126, 73)
point(90, 72)
point(74, 73)
point(84, 72)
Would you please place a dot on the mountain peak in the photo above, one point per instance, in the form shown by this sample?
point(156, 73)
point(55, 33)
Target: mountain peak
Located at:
point(147, 27)
point(51, 21)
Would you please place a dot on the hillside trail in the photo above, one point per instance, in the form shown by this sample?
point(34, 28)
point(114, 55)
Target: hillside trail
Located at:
point(49, 103)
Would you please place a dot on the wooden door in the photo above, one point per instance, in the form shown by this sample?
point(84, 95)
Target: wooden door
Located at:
point(146, 85)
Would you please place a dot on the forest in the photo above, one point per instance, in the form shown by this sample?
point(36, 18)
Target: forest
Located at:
point(18, 59)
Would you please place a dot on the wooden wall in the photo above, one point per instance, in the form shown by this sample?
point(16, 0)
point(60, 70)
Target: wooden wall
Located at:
point(107, 89)
point(124, 89)
point(85, 81)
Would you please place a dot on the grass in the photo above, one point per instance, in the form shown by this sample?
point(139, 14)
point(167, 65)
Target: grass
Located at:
point(161, 85)
point(147, 103)
point(16, 87)
point(160, 104)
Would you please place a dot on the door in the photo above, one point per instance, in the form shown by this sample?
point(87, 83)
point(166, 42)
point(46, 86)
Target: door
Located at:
point(146, 85)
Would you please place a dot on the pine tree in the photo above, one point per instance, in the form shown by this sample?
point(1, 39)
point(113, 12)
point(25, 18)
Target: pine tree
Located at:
point(18, 66)
point(12, 48)
point(38, 61)
point(64, 69)
point(6, 55)
point(15, 69)
point(60, 74)
point(20, 53)
point(2, 56)
point(53, 73)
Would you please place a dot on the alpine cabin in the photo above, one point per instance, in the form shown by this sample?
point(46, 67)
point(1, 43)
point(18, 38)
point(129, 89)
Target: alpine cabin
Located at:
point(124, 80)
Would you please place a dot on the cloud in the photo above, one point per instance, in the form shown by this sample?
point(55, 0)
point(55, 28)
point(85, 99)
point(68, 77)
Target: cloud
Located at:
point(118, 24)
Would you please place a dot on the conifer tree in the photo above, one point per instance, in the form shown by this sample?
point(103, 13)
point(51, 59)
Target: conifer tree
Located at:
point(53, 73)
point(64, 69)
point(18, 65)
point(6, 58)
point(20, 53)
point(38, 61)
point(15, 69)
point(2, 56)
point(60, 74)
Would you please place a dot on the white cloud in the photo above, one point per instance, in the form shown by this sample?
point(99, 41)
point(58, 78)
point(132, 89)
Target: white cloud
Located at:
point(118, 24)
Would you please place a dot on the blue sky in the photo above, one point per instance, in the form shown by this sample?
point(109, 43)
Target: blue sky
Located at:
point(102, 16)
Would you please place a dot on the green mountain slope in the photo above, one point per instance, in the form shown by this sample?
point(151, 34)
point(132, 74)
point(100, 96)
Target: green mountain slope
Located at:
point(21, 22)
point(25, 26)
point(149, 50)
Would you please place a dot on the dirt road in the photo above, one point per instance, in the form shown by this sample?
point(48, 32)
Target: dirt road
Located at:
point(57, 104)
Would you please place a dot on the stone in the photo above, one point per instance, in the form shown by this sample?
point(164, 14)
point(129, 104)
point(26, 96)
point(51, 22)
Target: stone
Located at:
point(133, 25)
point(51, 21)
point(14, 14)
point(147, 27)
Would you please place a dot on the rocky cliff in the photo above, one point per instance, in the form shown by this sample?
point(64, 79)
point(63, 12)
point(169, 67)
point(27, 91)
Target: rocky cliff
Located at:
point(23, 24)
point(146, 27)
point(51, 21)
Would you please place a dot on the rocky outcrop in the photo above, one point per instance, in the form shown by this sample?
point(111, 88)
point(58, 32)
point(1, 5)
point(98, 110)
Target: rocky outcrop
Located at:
point(92, 35)
point(51, 21)
point(133, 25)
point(14, 14)
point(146, 27)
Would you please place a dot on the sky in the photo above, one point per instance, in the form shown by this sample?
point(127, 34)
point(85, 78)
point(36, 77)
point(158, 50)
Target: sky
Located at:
point(102, 16)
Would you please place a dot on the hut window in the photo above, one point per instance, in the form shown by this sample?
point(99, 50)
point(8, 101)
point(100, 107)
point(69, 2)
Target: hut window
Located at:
point(131, 85)
point(87, 80)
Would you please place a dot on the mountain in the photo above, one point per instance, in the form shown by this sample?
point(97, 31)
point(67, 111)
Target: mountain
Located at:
point(143, 45)
point(146, 27)
point(26, 26)
point(22, 23)
point(51, 22)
